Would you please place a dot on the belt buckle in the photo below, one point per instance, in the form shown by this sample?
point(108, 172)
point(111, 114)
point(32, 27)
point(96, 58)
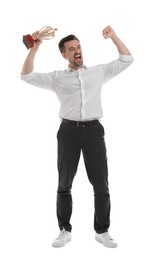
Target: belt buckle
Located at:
point(80, 124)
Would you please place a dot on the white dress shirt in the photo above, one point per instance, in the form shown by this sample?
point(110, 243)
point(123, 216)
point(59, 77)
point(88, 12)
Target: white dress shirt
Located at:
point(79, 91)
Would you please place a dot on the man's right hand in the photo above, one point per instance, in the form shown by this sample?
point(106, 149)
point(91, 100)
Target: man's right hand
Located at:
point(37, 41)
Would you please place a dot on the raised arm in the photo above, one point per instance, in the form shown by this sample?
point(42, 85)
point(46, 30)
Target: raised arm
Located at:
point(29, 61)
point(108, 32)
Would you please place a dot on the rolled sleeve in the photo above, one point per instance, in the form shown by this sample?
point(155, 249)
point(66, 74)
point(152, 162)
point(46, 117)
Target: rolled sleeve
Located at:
point(125, 58)
point(26, 77)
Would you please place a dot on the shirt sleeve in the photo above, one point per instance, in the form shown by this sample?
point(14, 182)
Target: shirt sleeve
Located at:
point(42, 80)
point(115, 67)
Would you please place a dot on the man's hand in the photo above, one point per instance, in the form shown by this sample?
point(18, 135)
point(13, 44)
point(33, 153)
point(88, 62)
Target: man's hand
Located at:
point(37, 41)
point(108, 32)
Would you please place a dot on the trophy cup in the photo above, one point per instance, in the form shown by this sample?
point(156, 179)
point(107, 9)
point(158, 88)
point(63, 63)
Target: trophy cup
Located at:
point(45, 33)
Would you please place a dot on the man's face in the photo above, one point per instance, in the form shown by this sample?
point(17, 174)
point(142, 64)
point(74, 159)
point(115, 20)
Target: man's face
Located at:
point(73, 53)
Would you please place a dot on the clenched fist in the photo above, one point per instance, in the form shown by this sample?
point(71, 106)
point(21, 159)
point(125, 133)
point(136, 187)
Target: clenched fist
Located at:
point(108, 32)
point(37, 41)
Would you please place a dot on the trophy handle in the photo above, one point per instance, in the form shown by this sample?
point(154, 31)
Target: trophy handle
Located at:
point(47, 33)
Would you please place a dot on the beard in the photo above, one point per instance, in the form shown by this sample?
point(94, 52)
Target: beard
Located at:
point(77, 61)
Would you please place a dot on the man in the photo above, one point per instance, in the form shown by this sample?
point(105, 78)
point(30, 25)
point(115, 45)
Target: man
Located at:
point(79, 91)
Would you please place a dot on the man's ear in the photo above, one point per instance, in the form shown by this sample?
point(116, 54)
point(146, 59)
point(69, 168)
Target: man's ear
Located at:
point(64, 55)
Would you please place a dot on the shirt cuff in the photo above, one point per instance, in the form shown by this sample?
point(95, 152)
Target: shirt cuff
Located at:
point(26, 77)
point(125, 58)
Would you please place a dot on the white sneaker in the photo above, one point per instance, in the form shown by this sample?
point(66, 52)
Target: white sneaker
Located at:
point(106, 240)
point(62, 239)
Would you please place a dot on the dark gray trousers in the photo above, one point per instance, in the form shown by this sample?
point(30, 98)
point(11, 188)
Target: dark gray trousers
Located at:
point(90, 140)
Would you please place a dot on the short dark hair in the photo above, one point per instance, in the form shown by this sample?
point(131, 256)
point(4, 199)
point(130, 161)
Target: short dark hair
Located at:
point(68, 38)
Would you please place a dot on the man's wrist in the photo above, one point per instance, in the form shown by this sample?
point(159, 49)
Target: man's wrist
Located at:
point(114, 37)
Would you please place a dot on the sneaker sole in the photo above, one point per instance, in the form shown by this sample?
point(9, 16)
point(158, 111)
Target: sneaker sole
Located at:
point(61, 245)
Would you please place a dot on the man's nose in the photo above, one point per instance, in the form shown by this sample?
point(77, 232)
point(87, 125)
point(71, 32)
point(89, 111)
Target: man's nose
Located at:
point(76, 51)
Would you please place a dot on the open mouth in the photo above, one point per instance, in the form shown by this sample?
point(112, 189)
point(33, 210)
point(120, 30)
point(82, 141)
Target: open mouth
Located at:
point(77, 56)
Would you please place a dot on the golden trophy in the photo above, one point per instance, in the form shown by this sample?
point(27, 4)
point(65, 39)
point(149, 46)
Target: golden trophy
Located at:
point(45, 33)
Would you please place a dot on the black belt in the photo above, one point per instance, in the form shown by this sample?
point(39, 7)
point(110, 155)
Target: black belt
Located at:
point(81, 123)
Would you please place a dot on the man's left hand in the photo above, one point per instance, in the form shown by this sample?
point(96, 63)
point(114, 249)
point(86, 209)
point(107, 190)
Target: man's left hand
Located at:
point(108, 32)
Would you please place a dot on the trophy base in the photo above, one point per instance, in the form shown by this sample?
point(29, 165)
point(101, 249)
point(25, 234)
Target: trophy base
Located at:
point(28, 41)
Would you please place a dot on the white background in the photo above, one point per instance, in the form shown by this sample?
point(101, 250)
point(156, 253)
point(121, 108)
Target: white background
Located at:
point(135, 121)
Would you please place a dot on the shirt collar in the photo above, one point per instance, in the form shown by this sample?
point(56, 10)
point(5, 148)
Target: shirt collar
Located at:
point(72, 70)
